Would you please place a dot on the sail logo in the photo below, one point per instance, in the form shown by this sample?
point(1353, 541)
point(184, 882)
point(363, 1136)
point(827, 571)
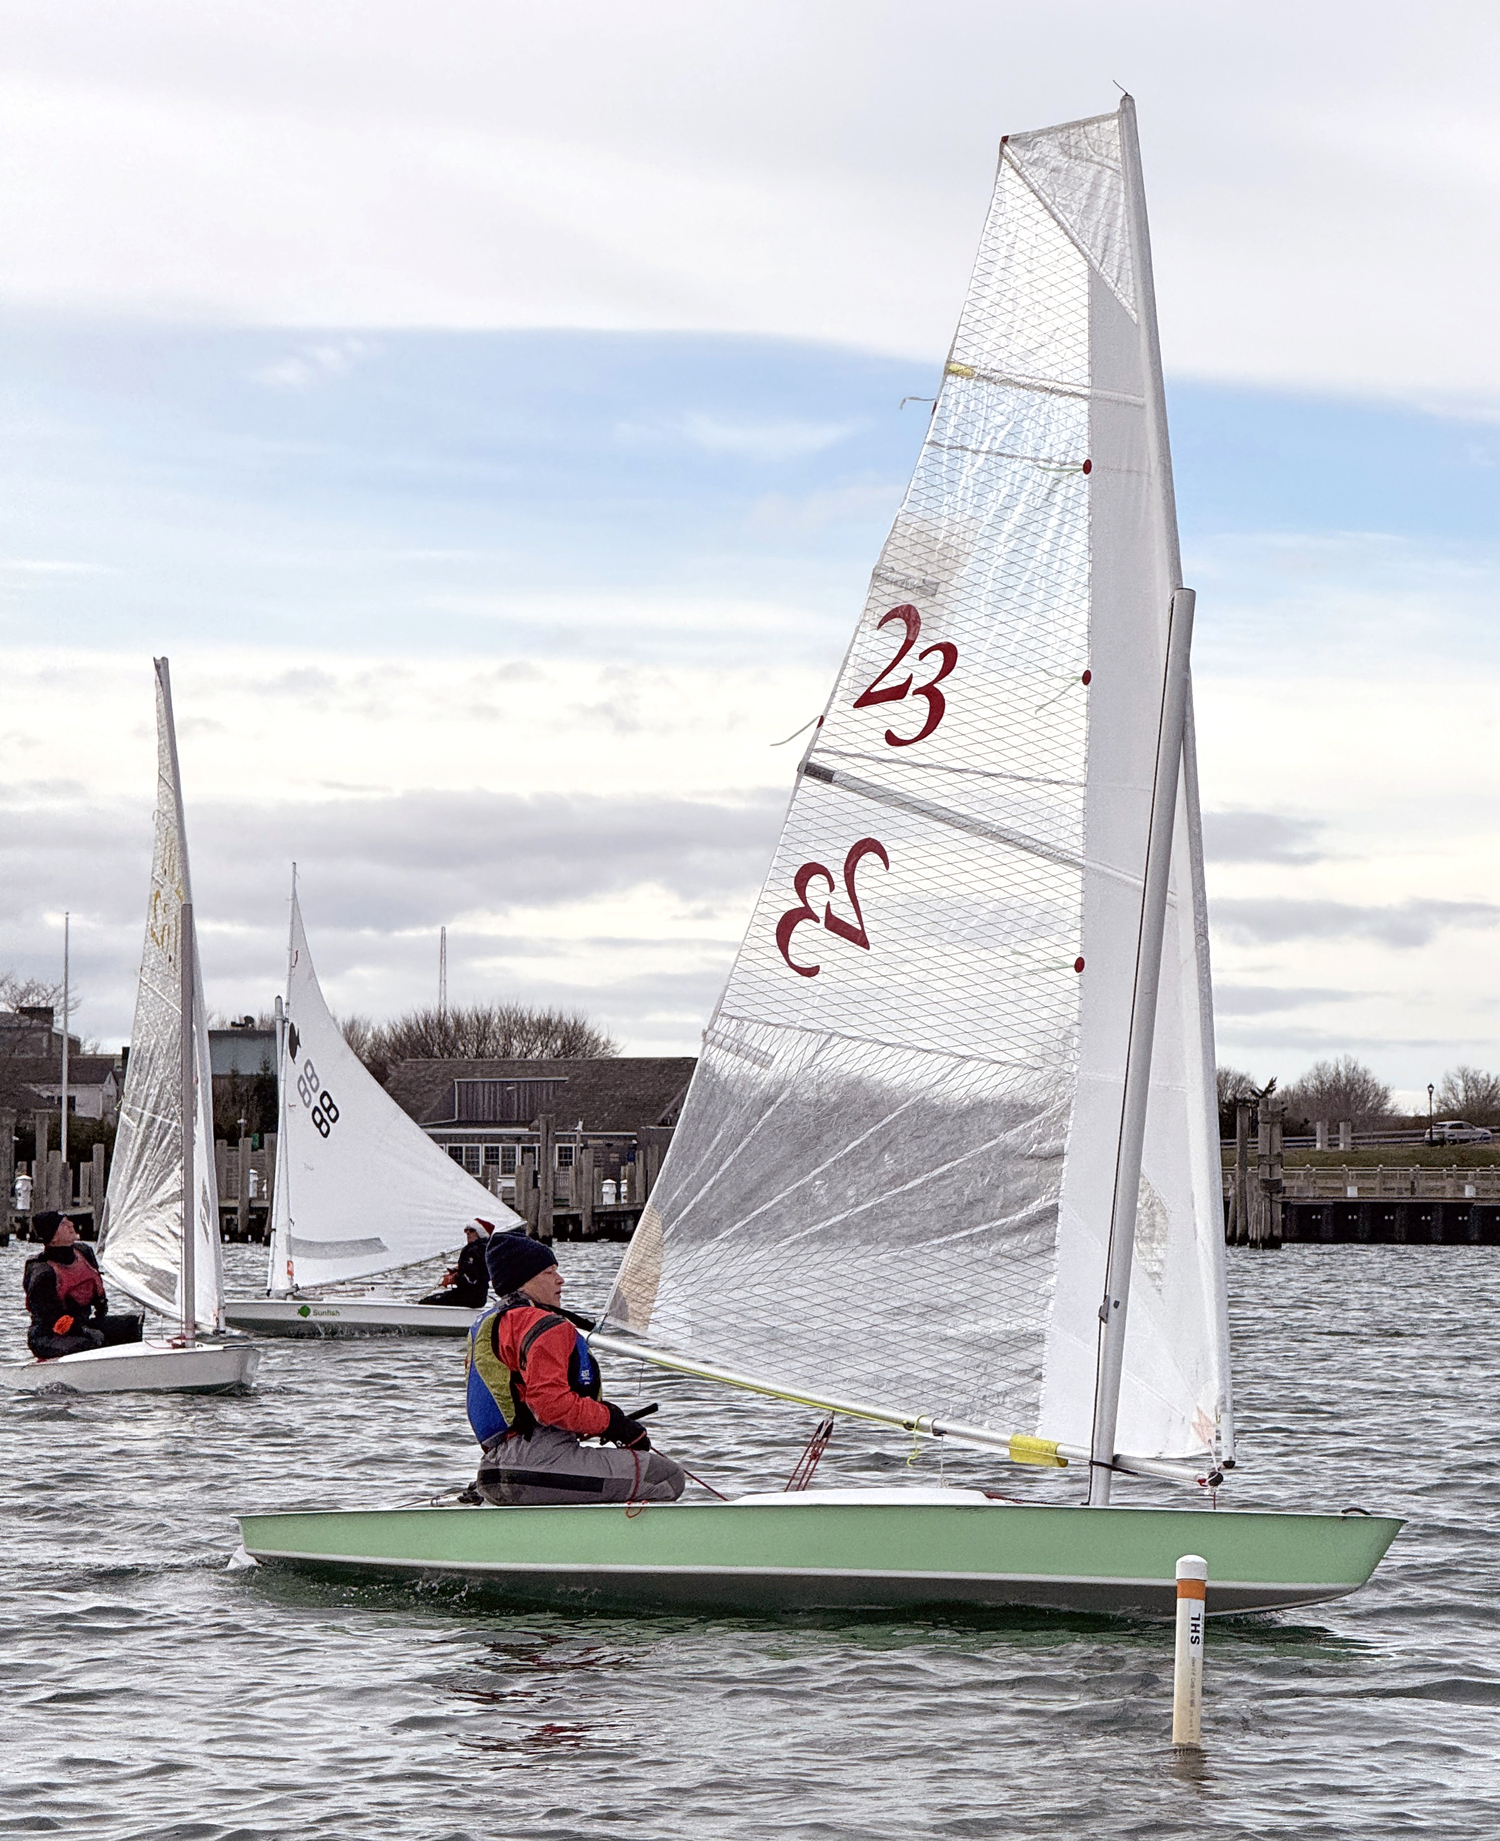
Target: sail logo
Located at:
point(879, 692)
point(321, 1106)
point(853, 931)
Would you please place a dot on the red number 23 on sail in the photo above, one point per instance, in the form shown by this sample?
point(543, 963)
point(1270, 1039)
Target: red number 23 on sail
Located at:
point(878, 692)
point(854, 930)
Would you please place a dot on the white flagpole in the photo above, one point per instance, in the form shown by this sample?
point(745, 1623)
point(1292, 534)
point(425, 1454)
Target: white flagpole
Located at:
point(1114, 1308)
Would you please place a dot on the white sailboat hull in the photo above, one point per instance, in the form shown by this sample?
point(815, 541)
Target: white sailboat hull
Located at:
point(139, 1367)
point(368, 1316)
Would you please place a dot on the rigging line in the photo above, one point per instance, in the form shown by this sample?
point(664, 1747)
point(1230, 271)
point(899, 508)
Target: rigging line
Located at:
point(701, 1484)
point(794, 734)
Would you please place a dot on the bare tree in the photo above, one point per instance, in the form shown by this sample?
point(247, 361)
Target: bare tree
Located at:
point(358, 1032)
point(1233, 1084)
point(1469, 1093)
point(18, 993)
point(477, 1032)
point(21, 993)
point(1343, 1088)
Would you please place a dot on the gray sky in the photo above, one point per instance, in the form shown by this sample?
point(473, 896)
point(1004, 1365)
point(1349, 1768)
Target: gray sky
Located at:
point(317, 376)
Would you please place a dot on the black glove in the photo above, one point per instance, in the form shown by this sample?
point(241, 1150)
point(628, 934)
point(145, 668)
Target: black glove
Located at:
point(623, 1430)
point(101, 1308)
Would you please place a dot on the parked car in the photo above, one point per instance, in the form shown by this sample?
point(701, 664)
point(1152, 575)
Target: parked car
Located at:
point(1454, 1131)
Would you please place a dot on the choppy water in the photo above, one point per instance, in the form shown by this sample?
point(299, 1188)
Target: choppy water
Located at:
point(146, 1691)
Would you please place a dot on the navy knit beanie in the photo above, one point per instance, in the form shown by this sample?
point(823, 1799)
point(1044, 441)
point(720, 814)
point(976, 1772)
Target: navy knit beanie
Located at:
point(513, 1257)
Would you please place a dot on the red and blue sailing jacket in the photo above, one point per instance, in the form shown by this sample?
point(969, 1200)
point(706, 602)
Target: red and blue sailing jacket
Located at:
point(528, 1367)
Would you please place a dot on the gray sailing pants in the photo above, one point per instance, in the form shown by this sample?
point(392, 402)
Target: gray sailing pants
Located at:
point(552, 1466)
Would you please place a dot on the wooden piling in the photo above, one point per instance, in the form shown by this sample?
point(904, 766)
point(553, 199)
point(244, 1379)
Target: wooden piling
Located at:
point(242, 1199)
point(7, 1170)
point(1239, 1194)
point(583, 1189)
point(546, 1165)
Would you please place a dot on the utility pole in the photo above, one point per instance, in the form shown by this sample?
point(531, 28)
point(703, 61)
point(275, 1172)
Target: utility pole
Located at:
point(64, 1133)
point(443, 974)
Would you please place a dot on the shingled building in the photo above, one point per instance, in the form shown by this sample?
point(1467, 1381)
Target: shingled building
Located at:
point(601, 1128)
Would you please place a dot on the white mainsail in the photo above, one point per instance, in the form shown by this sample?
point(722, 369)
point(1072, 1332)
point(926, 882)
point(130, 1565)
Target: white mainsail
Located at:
point(360, 1187)
point(893, 1175)
point(140, 1240)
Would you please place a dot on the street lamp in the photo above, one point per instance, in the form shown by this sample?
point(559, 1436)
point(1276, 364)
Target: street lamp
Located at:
point(1430, 1138)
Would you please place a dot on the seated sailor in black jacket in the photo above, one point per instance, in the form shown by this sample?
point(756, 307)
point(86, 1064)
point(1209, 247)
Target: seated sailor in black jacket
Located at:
point(468, 1283)
point(65, 1295)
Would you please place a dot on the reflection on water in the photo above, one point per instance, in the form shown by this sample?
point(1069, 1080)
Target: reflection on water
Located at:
point(189, 1700)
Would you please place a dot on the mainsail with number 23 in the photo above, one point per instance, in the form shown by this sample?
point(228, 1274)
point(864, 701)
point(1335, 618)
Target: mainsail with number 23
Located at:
point(906, 1172)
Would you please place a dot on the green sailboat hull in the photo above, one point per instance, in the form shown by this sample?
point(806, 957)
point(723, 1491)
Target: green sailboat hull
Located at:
point(803, 1554)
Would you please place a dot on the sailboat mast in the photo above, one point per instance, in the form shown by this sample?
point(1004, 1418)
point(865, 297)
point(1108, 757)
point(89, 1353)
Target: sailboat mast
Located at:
point(189, 1131)
point(1114, 1308)
point(280, 1257)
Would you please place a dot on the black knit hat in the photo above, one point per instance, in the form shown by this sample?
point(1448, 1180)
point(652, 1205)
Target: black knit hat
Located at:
point(46, 1224)
point(513, 1257)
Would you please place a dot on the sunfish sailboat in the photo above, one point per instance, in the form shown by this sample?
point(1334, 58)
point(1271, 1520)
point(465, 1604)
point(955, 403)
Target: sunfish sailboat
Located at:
point(159, 1238)
point(360, 1188)
point(950, 1157)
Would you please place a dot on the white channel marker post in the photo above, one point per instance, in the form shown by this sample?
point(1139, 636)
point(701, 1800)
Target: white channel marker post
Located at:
point(1187, 1674)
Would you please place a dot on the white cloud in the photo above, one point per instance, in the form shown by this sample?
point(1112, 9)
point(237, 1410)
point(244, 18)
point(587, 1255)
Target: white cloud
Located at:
point(314, 363)
point(759, 441)
point(1319, 216)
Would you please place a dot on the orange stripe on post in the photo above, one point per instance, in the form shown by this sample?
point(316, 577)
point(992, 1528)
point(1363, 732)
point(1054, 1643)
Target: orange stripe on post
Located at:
point(1192, 1588)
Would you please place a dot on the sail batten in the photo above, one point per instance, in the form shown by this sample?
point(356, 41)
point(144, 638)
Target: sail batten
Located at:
point(901, 1139)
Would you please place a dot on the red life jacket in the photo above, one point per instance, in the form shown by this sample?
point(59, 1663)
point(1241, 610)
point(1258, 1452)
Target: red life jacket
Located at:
point(78, 1283)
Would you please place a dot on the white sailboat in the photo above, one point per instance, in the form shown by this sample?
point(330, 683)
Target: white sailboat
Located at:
point(159, 1237)
point(949, 1160)
point(360, 1189)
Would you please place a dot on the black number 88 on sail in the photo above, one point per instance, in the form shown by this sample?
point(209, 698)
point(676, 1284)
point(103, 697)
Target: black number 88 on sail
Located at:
point(321, 1106)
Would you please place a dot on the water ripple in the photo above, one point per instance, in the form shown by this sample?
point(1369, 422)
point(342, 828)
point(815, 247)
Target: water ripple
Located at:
point(151, 1695)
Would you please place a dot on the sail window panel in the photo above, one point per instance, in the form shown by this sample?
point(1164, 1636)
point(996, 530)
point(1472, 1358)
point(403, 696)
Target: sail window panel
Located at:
point(806, 1196)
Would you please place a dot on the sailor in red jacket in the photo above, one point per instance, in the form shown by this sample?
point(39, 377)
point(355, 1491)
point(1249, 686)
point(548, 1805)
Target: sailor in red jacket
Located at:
point(533, 1397)
point(65, 1295)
